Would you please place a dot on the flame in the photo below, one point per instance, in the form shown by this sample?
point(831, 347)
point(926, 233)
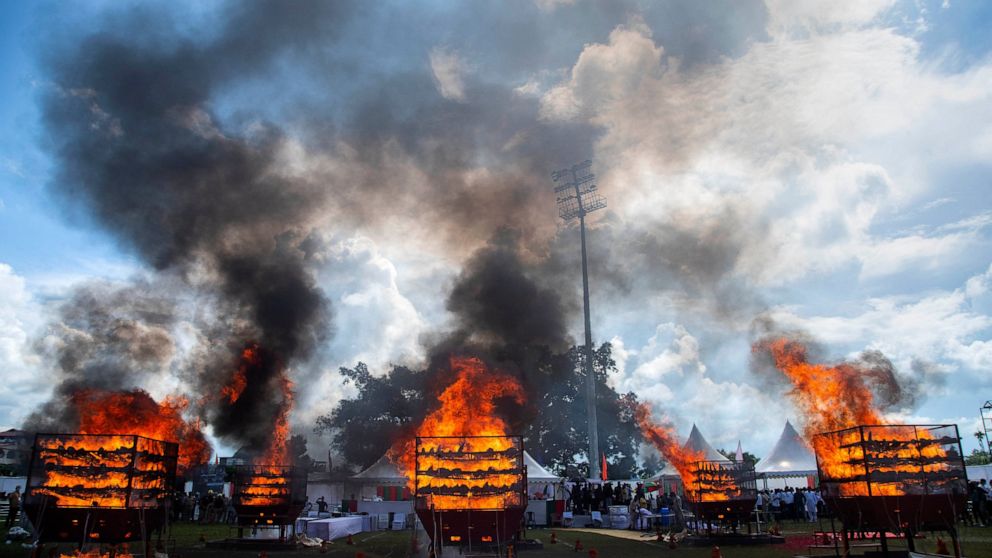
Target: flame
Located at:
point(466, 460)
point(268, 483)
point(135, 412)
point(95, 553)
point(833, 398)
point(699, 477)
point(102, 470)
point(249, 357)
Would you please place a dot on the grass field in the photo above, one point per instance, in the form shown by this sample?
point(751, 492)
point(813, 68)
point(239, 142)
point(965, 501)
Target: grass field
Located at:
point(976, 543)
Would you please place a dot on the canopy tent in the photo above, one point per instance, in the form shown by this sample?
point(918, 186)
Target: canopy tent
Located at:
point(699, 445)
point(536, 473)
point(790, 458)
point(541, 483)
point(669, 476)
point(383, 471)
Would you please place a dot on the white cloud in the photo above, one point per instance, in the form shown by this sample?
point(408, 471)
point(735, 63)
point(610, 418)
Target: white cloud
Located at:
point(449, 70)
point(374, 322)
point(813, 139)
point(787, 16)
point(23, 387)
point(942, 327)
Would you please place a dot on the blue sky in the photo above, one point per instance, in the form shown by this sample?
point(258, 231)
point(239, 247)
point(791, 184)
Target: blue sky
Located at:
point(829, 162)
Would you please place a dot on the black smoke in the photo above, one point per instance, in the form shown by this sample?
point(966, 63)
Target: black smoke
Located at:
point(140, 151)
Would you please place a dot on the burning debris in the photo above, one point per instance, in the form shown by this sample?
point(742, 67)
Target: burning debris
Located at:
point(99, 488)
point(461, 463)
point(470, 472)
point(135, 412)
point(835, 398)
point(467, 407)
point(716, 490)
point(878, 477)
point(665, 440)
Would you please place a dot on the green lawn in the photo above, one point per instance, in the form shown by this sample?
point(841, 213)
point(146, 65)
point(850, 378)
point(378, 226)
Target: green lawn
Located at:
point(976, 543)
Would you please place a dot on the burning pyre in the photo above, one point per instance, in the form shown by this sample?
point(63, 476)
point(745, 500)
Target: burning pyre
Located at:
point(467, 408)
point(703, 480)
point(462, 463)
point(269, 490)
point(877, 477)
point(99, 488)
point(836, 399)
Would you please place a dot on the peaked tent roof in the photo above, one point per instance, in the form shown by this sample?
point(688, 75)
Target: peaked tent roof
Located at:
point(697, 443)
point(383, 470)
point(537, 473)
point(790, 454)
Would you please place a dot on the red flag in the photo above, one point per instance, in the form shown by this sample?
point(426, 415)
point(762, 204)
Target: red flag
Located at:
point(605, 476)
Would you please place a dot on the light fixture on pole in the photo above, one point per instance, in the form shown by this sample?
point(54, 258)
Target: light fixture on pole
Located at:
point(577, 197)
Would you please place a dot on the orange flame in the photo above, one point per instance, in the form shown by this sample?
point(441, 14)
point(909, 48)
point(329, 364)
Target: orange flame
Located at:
point(269, 484)
point(467, 407)
point(135, 412)
point(95, 553)
point(833, 398)
point(663, 437)
point(102, 470)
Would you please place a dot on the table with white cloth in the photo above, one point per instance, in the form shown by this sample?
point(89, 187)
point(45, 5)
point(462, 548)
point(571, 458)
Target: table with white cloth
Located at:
point(335, 527)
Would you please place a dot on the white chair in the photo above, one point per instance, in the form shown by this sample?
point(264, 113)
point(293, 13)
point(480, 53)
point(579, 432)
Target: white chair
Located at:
point(597, 519)
point(399, 521)
point(382, 522)
point(566, 519)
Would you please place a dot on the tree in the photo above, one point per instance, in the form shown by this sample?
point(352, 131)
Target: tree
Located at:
point(552, 423)
point(364, 427)
point(977, 457)
point(732, 455)
point(557, 433)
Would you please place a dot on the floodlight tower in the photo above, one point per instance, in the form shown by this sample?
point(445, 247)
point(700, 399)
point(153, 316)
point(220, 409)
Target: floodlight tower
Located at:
point(577, 197)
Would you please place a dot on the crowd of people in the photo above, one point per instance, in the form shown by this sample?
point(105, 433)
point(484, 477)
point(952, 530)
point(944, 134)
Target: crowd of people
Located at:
point(210, 507)
point(979, 495)
point(797, 504)
point(584, 498)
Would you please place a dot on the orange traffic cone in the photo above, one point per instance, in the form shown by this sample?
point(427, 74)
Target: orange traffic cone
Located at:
point(509, 551)
point(578, 545)
point(349, 541)
point(593, 553)
point(359, 554)
point(263, 554)
point(554, 537)
point(672, 543)
point(323, 547)
point(942, 547)
point(715, 553)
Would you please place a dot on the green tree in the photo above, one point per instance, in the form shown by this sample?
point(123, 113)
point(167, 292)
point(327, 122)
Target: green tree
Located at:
point(732, 455)
point(363, 428)
point(553, 422)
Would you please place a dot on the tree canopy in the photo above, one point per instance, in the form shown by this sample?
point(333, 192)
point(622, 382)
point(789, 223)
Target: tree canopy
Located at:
point(552, 423)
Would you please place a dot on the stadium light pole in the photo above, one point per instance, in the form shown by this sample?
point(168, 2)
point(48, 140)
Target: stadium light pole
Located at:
point(577, 197)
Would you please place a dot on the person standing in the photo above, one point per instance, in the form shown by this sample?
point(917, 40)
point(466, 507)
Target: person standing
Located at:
point(15, 506)
point(812, 498)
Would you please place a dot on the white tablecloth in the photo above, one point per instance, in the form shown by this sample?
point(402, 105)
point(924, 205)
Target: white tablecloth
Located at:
point(335, 527)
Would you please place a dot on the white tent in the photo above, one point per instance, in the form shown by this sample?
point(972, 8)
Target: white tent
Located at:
point(536, 473)
point(696, 443)
point(382, 472)
point(790, 458)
